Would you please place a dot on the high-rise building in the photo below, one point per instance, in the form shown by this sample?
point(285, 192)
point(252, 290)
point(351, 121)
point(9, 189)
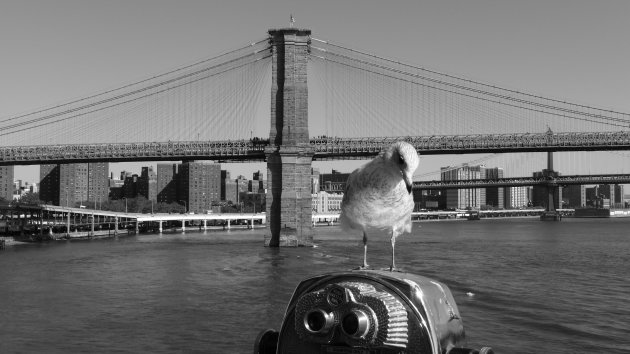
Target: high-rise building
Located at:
point(115, 188)
point(612, 194)
point(130, 187)
point(428, 199)
point(574, 196)
point(256, 185)
point(324, 202)
point(315, 181)
point(462, 198)
point(166, 183)
point(516, 197)
point(231, 191)
point(334, 182)
point(49, 184)
point(72, 184)
point(147, 184)
point(199, 184)
point(98, 183)
point(242, 185)
point(6, 182)
point(492, 196)
point(225, 178)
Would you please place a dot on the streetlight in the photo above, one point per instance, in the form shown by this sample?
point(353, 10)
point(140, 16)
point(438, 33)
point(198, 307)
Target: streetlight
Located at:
point(151, 206)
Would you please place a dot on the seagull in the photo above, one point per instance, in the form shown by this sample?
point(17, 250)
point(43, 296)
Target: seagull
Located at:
point(378, 196)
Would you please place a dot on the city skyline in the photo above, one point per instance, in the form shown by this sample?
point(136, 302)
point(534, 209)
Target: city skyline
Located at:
point(571, 50)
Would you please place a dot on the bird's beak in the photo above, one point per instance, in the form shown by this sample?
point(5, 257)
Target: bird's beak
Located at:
point(408, 182)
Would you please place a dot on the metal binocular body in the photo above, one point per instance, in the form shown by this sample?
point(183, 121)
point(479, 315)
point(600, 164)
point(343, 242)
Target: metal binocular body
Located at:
point(369, 311)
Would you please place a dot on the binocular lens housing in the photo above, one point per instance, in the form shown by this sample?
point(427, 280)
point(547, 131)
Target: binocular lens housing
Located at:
point(318, 321)
point(355, 324)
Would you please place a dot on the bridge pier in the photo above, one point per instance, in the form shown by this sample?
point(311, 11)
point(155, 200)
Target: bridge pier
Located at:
point(289, 154)
point(550, 214)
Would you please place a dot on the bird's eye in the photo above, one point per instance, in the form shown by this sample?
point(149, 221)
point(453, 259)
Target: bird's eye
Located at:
point(401, 160)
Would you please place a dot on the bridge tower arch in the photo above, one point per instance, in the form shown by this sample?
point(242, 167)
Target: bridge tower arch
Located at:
point(289, 154)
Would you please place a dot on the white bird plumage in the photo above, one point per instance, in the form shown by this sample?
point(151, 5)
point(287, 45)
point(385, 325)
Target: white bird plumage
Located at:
point(378, 196)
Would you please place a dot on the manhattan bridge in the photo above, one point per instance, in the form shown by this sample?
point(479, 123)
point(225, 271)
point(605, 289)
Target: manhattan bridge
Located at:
point(290, 99)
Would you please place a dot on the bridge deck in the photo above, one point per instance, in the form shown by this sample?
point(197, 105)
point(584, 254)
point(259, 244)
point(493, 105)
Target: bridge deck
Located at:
point(328, 148)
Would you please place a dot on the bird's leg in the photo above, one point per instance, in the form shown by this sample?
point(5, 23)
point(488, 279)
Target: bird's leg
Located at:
point(365, 265)
point(392, 267)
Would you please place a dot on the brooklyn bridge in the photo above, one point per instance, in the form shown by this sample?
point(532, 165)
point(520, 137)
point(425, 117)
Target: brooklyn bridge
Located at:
point(289, 99)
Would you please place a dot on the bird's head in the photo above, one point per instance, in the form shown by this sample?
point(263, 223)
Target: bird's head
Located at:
point(405, 157)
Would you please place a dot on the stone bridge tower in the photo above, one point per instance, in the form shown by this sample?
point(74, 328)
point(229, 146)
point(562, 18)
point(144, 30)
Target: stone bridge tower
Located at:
point(289, 155)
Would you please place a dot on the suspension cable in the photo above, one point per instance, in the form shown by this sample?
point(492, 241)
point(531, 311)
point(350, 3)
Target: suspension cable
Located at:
point(137, 82)
point(463, 79)
point(480, 98)
point(461, 87)
point(115, 104)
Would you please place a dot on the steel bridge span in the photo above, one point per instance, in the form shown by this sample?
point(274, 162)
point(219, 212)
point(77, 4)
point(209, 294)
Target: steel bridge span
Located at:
point(525, 181)
point(328, 148)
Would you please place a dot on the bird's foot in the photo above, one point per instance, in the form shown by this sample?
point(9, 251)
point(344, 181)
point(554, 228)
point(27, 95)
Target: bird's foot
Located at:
point(393, 269)
point(363, 267)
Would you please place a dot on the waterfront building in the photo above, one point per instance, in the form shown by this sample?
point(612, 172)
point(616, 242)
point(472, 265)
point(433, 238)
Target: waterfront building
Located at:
point(574, 196)
point(231, 191)
point(225, 177)
point(98, 182)
point(49, 183)
point(6, 182)
point(166, 185)
point(115, 187)
point(612, 194)
point(334, 182)
point(619, 196)
point(253, 202)
point(492, 197)
point(147, 183)
point(242, 186)
point(324, 202)
point(315, 180)
point(20, 188)
point(517, 197)
point(130, 184)
point(428, 199)
point(257, 184)
point(198, 185)
point(462, 198)
point(72, 184)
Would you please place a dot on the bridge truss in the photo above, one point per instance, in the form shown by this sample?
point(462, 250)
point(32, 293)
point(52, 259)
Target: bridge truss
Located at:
point(326, 148)
point(525, 181)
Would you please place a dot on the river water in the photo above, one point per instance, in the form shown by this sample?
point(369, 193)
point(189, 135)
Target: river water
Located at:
point(539, 287)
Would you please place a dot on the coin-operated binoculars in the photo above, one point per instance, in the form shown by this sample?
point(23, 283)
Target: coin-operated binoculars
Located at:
point(369, 311)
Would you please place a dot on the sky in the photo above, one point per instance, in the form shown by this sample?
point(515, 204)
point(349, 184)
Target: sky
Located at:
point(54, 51)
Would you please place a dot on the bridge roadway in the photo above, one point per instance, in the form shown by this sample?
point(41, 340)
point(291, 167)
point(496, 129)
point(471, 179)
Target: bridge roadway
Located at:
point(325, 148)
point(525, 181)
